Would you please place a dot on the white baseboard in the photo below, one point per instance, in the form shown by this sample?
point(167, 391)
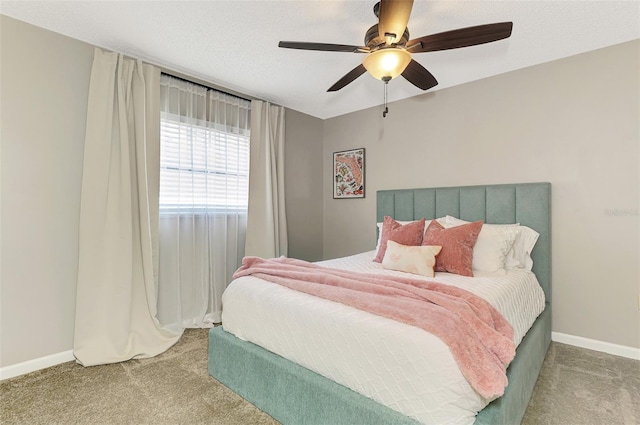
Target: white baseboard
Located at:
point(592, 344)
point(578, 341)
point(35, 364)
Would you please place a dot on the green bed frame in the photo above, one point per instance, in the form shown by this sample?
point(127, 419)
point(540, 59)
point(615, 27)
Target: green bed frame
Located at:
point(294, 395)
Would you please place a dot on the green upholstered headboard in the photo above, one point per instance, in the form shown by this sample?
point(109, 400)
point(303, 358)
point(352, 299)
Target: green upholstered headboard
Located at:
point(526, 203)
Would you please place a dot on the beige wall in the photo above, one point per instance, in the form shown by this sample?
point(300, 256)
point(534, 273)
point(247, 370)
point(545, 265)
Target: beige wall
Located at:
point(44, 83)
point(572, 122)
point(303, 181)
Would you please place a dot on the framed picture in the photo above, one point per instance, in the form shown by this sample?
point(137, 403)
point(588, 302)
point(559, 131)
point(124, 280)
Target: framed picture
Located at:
point(348, 174)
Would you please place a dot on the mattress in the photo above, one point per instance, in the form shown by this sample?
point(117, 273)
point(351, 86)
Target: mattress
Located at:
point(400, 366)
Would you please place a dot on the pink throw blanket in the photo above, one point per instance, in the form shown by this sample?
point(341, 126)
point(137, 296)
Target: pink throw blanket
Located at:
point(479, 338)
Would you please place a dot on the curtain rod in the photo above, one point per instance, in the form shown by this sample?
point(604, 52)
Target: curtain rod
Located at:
point(172, 74)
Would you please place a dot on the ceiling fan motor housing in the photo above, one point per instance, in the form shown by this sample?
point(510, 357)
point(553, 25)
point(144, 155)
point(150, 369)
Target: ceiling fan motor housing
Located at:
point(372, 38)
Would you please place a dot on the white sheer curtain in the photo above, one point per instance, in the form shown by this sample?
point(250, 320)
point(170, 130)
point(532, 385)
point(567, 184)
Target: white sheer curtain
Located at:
point(203, 200)
point(267, 221)
point(116, 289)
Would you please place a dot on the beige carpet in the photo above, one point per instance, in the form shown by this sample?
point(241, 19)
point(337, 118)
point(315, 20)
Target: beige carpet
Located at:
point(173, 388)
point(584, 387)
point(577, 387)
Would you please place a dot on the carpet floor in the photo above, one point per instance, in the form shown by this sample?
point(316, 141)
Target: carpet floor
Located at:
point(576, 387)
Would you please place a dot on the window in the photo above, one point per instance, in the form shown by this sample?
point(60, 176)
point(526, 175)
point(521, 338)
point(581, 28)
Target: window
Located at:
point(202, 168)
point(204, 150)
point(204, 179)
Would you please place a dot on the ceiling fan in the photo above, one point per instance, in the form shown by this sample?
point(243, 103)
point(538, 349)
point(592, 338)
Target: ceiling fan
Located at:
point(388, 48)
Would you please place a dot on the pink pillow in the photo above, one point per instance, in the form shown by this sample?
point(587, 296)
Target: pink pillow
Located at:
point(457, 244)
point(410, 234)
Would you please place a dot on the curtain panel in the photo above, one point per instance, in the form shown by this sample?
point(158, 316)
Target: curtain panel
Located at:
point(267, 220)
point(116, 288)
point(203, 200)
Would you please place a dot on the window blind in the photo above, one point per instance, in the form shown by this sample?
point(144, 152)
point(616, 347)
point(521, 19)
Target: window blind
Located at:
point(202, 168)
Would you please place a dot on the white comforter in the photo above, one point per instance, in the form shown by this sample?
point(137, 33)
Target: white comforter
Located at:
point(400, 366)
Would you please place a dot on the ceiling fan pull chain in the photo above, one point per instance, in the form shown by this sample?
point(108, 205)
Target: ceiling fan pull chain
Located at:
point(386, 109)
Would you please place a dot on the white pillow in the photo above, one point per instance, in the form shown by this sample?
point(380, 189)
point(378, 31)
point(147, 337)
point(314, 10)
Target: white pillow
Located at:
point(520, 254)
point(494, 242)
point(411, 259)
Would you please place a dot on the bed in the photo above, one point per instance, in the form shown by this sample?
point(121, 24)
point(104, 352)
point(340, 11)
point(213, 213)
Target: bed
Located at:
point(294, 394)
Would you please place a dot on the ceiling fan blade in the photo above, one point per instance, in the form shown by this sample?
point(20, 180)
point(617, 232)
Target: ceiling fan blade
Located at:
point(351, 75)
point(325, 47)
point(393, 17)
point(418, 75)
point(462, 37)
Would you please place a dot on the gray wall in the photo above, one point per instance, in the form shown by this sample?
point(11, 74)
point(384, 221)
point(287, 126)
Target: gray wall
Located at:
point(303, 182)
point(45, 83)
point(572, 122)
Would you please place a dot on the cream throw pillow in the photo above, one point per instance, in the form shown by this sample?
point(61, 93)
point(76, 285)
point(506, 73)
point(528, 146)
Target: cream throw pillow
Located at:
point(411, 259)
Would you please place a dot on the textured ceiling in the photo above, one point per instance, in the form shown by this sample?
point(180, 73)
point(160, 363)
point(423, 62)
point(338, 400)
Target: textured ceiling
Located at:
point(233, 44)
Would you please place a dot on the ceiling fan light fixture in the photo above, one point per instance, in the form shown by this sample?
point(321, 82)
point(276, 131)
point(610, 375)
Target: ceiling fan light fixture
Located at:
point(387, 63)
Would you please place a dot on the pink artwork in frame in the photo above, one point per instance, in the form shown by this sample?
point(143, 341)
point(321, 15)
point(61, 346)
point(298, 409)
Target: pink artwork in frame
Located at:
point(348, 174)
